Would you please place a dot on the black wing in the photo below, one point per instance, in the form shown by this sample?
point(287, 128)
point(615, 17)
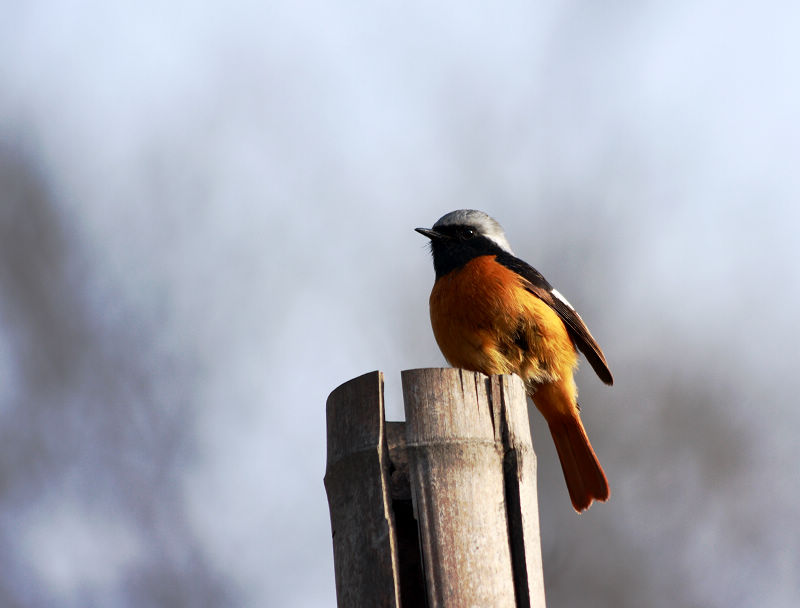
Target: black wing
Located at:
point(538, 286)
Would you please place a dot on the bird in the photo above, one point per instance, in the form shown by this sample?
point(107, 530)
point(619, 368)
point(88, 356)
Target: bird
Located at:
point(493, 313)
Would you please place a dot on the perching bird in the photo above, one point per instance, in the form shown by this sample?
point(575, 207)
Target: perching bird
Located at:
point(493, 313)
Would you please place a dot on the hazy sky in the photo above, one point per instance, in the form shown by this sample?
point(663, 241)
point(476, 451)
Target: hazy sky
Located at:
point(207, 214)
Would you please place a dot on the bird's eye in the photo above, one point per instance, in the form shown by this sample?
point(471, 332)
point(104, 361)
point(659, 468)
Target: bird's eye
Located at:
point(470, 232)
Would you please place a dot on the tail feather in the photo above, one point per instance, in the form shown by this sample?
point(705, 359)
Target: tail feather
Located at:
point(585, 478)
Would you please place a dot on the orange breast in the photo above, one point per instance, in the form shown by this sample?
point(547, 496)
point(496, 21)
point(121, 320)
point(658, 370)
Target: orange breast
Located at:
point(484, 320)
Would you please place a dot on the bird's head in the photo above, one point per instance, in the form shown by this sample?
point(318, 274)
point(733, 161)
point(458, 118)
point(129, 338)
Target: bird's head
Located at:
point(462, 235)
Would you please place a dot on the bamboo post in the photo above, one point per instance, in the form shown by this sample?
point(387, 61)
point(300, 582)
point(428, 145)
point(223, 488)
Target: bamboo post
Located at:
point(473, 474)
point(357, 482)
point(440, 510)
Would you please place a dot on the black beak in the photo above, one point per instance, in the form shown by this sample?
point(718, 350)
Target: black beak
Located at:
point(431, 234)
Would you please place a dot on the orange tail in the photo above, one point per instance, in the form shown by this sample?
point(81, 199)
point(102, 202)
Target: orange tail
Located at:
point(585, 478)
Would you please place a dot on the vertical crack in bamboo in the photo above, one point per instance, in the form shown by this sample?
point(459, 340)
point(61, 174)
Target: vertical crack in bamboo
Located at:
point(513, 500)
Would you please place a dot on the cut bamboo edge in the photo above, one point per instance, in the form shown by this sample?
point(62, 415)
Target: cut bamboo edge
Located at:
point(439, 510)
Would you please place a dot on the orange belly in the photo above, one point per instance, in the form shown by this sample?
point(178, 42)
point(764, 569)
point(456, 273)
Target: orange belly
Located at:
point(484, 320)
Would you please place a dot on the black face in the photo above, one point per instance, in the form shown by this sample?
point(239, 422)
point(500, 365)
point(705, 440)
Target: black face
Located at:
point(458, 232)
point(455, 245)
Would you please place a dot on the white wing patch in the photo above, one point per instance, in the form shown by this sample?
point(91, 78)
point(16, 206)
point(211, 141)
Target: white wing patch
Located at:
point(557, 294)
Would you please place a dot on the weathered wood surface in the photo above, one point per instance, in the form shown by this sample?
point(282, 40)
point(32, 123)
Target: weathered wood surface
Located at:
point(357, 480)
point(439, 511)
point(477, 545)
point(522, 504)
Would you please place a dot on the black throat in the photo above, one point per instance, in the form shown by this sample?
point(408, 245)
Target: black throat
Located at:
point(450, 254)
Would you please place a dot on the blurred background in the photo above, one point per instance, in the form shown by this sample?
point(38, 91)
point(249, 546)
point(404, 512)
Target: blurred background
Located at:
point(206, 225)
